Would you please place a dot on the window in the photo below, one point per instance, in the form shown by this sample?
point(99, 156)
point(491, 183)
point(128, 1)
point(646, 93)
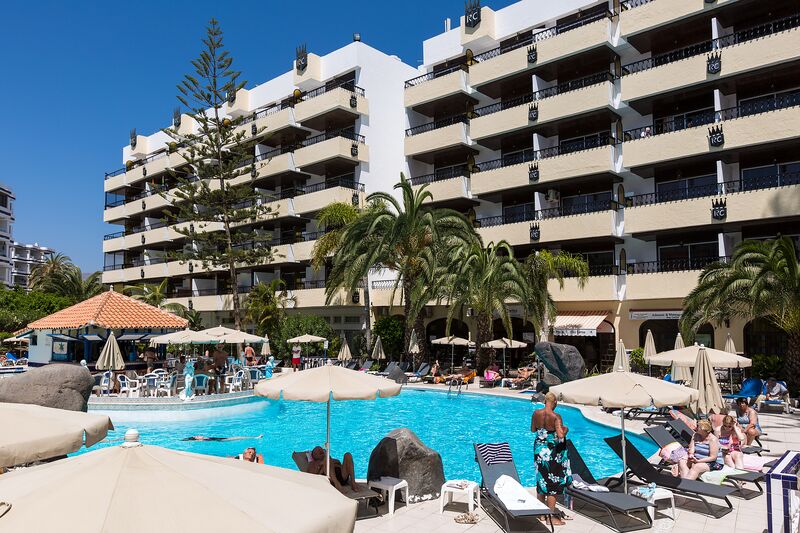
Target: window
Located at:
point(770, 176)
point(33, 340)
point(352, 320)
point(585, 203)
point(695, 187)
point(687, 256)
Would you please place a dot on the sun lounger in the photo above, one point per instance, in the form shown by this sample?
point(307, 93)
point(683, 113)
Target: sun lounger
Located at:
point(613, 503)
point(751, 388)
point(391, 366)
point(423, 370)
point(494, 461)
point(662, 438)
point(642, 469)
point(683, 434)
point(366, 365)
point(648, 413)
point(364, 494)
point(405, 366)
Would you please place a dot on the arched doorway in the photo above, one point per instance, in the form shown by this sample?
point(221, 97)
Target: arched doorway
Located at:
point(665, 332)
point(761, 337)
point(447, 355)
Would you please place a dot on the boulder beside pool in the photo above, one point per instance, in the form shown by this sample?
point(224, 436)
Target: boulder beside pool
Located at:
point(60, 386)
point(402, 455)
point(563, 361)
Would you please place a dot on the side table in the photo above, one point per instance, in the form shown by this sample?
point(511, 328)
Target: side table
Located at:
point(471, 489)
point(390, 485)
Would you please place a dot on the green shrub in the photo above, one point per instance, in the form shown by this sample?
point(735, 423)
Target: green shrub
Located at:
point(391, 330)
point(765, 366)
point(637, 359)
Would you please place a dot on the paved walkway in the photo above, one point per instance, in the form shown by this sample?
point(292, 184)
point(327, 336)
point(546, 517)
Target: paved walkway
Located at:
point(748, 516)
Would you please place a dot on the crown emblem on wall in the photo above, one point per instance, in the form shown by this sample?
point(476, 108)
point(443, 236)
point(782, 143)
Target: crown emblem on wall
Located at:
point(301, 58)
point(535, 232)
point(176, 117)
point(716, 137)
point(533, 172)
point(714, 62)
point(133, 138)
point(719, 209)
point(533, 112)
point(533, 54)
point(472, 13)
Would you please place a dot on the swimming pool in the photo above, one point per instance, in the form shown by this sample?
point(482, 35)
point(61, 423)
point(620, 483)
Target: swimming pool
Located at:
point(448, 424)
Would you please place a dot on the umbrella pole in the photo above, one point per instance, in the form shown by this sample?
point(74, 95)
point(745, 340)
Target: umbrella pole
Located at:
point(624, 459)
point(504, 360)
point(328, 442)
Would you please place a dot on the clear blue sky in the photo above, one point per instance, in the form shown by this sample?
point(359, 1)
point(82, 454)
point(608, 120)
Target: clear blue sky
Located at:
point(79, 75)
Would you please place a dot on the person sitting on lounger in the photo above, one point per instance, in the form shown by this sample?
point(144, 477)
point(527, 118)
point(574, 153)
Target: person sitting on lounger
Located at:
point(731, 437)
point(747, 418)
point(342, 473)
point(251, 456)
point(523, 375)
point(703, 452)
point(773, 391)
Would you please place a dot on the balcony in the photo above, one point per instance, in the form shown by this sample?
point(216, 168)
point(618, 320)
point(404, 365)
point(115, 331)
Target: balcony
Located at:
point(524, 225)
point(150, 166)
point(672, 278)
point(742, 52)
point(268, 120)
point(532, 167)
point(338, 149)
point(543, 47)
point(445, 184)
point(435, 85)
point(743, 126)
point(445, 134)
point(639, 16)
point(554, 103)
point(345, 102)
point(312, 198)
point(744, 201)
point(600, 286)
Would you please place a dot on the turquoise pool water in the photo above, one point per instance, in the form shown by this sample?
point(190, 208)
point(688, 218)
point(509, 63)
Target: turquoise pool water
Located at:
point(448, 424)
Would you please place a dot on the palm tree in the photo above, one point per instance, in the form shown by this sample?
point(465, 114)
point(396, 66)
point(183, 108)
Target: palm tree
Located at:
point(762, 280)
point(55, 265)
point(400, 236)
point(155, 295)
point(540, 268)
point(71, 284)
point(334, 218)
point(265, 306)
point(194, 318)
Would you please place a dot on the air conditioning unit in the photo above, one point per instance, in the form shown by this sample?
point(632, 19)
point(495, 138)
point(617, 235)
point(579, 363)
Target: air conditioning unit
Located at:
point(553, 195)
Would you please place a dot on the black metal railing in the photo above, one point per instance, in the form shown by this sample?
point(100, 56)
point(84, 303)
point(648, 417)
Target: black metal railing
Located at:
point(672, 265)
point(780, 179)
point(528, 212)
point(347, 133)
point(346, 85)
point(682, 193)
point(573, 85)
point(149, 261)
point(433, 74)
point(436, 124)
point(630, 4)
point(691, 119)
point(347, 183)
point(116, 203)
point(741, 36)
point(529, 154)
point(505, 104)
point(596, 270)
point(446, 173)
point(119, 266)
point(114, 235)
point(383, 284)
point(543, 34)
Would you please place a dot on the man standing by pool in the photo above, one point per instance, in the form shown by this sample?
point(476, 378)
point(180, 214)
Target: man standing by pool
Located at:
point(553, 471)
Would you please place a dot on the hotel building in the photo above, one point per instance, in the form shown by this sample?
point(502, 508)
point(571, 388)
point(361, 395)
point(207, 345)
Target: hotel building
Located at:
point(331, 129)
point(25, 258)
point(649, 136)
point(6, 225)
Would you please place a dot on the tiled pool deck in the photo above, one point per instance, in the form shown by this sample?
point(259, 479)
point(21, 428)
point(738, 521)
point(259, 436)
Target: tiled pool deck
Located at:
point(748, 516)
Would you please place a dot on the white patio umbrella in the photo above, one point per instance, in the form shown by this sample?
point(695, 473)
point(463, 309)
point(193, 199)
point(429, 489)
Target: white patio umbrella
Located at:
point(33, 433)
point(305, 339)
point(730, 347)
point(413, 344)
point(679, 342)
point(504, 343)
point(111, 356)
point(216, 494)
point(621, 360)
point(624, 390)
point(688, 355)
point(705, 381)
point(453, 341)
point(322, 383)
point(344, 352)
point(377, 351)
point(649, 349)
point(233, 336)
point(680, 373)
point(186, 336)
point(265, 349)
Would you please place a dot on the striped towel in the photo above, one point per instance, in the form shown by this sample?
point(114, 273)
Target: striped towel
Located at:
point(494, 453)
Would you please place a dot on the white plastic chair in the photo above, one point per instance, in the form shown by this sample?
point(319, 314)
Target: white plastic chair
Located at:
point(168, 386)
point(128, 386)
point(105, 383)
point(234, 382)
point(151, 382)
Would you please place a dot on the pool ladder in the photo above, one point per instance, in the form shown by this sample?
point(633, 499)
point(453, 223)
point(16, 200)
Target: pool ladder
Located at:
point(455, 383)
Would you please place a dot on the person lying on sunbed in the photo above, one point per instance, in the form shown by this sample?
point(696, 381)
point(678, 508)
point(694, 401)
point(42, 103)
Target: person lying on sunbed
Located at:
point(342, 473)
point(523, 375)
point(219, 439)
point(251, 456)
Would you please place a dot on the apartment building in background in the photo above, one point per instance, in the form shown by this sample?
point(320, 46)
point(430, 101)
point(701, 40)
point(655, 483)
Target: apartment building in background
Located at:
point(25, 258)
point(649, 136)
point(331, 129)
point(6, 226)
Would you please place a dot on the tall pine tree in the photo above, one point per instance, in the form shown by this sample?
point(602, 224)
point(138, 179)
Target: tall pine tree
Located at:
point(217, 204)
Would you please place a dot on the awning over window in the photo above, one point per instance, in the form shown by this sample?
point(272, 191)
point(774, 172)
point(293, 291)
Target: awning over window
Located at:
point(581, 324)
point(150, 336)
point(60, 337)
point(130, 337)
point(92, 337)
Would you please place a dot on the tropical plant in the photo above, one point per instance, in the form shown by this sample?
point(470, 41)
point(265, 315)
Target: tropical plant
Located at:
point(216, 209)
point(391, 330)
point(334, 217)
point(762, 280)
point(18, 308)
point(766, 366)
point(154, 294)
point(402, 236)
point(70, 283)
point(54, 265)
point(266, 304)
point(637, 359)
point(543, 266)
point(295, 325)
point(194, 318)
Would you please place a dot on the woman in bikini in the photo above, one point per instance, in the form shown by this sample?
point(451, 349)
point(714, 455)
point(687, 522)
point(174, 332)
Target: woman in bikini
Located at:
point(703, 452)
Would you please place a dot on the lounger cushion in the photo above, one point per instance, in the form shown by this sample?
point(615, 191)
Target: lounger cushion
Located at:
point(515, 497)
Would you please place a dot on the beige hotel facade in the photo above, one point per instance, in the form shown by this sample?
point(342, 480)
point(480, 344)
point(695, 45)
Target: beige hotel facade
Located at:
point(650, 136)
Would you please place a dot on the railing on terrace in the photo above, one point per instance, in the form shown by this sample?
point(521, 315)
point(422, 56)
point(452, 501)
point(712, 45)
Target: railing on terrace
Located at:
point(120, 266)
point(694, 119)
point(630, 4)
point(446, 173)
point(138, 163)
point(383, 284)
point(265, 111)
point(433, 75)
point(746, 183)
point(149, 261)
point(346, 85)
point(288, 101)
point(144, 193)
point(436, 124)
point(132, 231)
point(347, 133)
point(222, 291)
point(528, 212)
point(267, 155)
point(597, 270)
point(673, 265)
point(543, 34)
point(529, 154)
point(738, 37)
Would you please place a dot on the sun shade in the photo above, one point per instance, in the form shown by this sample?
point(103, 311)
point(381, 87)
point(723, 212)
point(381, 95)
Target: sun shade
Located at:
point(581, 324)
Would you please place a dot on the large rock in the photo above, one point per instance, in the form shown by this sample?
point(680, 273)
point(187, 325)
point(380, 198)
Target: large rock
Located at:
point(61, 386)
point(402, 455)
point(562, 360)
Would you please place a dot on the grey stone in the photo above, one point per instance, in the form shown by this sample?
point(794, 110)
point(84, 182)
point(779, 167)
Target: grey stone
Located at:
point(563, 361)
point(402, 455)
point(61, 386)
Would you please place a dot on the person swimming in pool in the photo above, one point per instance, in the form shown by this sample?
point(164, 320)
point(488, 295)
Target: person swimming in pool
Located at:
point(219, 439)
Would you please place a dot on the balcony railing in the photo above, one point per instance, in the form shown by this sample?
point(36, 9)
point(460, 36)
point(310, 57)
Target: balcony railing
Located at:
point(673, 265)
point(346, 85)
point(741, 36)
point(119, 266)
point(132, 231)
point(138, 163)
point(694, 119)
point(433, 75)
point(630, 4)
point(597, 270)
point(383, 284)
point(529, 154)
point(528, 212)
point(543, 34)
point(445, 173)
point(347, 133)
point(436, 124)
